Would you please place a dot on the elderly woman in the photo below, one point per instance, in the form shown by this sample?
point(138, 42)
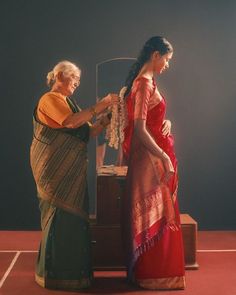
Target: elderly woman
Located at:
point(59, 164)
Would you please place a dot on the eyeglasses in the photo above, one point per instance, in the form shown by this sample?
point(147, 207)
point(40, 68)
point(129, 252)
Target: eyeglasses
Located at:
point(76, 78)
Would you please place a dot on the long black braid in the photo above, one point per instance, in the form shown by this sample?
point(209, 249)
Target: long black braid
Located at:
point(156, 43)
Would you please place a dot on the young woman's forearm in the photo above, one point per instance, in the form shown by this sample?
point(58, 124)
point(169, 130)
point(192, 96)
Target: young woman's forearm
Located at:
point(147, 140)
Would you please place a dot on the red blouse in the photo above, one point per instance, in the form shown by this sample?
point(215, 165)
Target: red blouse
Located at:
point(143, 102)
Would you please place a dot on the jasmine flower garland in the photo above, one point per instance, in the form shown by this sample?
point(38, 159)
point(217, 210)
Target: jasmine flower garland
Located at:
point(115, 131)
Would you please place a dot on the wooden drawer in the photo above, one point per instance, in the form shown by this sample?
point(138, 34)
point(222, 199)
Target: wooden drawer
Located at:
point(107, 250)
point(109, 194)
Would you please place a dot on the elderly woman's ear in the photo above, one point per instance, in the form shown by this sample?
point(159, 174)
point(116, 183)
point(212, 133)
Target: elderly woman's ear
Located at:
point(60, 76)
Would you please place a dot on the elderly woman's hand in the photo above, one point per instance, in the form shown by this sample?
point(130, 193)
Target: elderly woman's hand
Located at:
point(111, 98)
point(105, 120)
point(166, 127)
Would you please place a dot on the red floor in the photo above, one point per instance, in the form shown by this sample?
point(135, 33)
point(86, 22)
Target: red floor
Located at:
point(216, 275)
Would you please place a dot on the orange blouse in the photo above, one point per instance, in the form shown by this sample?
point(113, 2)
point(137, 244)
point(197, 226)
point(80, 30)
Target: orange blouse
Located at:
point(53, 109)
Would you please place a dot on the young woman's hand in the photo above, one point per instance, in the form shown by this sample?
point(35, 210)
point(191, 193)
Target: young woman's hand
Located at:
point(166, 127)
point(169, 169)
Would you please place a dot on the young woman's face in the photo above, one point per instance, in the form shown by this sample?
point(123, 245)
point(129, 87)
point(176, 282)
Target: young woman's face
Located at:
point(161, 62)
point(70, 83)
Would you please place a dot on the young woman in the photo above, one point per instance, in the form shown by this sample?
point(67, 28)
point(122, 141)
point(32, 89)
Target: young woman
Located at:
point(152, 232)
point(59, 164)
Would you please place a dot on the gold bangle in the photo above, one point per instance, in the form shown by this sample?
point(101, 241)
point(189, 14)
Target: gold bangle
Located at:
point(93, 111)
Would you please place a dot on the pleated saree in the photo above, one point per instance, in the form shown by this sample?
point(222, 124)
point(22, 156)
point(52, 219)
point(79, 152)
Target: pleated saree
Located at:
point(151, 227)
point(59, 165)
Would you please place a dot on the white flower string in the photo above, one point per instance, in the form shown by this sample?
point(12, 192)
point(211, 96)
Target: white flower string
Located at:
point(115, 130)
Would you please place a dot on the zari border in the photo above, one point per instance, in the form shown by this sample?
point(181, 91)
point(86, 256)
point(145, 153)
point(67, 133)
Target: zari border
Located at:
point(63, 284)
point(163, 283)
point(40, 281)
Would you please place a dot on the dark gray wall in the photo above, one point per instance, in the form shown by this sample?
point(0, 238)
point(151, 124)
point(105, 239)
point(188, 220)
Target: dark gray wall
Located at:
point(199, 88)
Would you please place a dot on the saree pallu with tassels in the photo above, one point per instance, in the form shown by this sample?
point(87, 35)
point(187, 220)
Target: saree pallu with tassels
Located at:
point(59, 165)
point(152, 231)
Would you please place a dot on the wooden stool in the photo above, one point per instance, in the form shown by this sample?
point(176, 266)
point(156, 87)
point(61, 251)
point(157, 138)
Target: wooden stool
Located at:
point(189, 230)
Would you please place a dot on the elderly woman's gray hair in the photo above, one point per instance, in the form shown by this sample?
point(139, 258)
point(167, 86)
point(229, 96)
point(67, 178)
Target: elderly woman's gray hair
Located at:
point(66, 67)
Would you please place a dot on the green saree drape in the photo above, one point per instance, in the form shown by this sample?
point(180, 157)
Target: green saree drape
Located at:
point(59, 165)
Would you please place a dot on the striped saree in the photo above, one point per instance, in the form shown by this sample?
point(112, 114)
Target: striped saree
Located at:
point(59, 165)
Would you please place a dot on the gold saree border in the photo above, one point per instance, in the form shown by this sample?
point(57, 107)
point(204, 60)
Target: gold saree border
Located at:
point(83, 283)
point(40, 281)
point(163, 283)
point(60, 204)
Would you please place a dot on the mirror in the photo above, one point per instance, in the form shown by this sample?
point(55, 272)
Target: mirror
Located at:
point(110, 78)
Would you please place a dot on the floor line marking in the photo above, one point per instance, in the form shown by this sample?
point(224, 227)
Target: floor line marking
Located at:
point(200, 250)
point(215, 250)
point(22, 251)
point(9, 268)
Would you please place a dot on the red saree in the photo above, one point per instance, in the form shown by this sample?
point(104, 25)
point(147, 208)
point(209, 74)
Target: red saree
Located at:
point(152, 233)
